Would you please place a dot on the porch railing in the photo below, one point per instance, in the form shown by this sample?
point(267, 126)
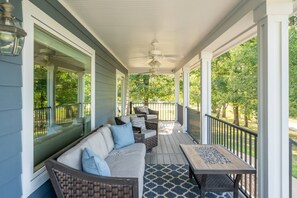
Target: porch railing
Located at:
point(193, 124)
point(166, 109)
point(240, 141)
point(292, 162)
point(64, 114)
point(180, 116)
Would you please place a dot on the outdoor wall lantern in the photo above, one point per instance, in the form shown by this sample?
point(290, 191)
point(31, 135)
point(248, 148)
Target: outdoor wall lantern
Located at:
point(12, 35)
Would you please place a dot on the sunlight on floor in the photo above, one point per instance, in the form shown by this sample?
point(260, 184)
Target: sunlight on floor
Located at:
point(166, 128)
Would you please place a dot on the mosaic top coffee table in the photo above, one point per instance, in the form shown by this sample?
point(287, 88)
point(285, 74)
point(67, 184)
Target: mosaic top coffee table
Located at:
point(210, 164)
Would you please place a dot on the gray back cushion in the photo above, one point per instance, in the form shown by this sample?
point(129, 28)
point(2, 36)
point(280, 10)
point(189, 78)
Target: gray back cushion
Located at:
point(97, 144)
point(143, 109)
point(107, 137)
point(125, 119)
point(72, 157)
point(139, 122)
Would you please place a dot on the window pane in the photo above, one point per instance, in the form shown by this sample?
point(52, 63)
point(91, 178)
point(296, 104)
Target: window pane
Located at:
point(62, 95)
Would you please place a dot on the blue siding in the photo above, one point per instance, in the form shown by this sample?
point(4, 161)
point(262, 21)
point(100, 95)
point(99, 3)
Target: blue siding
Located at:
point(10, 121)
point(105, 71)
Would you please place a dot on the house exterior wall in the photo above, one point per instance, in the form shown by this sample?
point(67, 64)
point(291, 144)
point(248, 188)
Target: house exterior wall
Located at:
point(11, 121)
point(11, 98)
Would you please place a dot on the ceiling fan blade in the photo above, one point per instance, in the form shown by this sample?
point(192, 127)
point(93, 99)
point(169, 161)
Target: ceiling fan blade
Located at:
point(139, 57)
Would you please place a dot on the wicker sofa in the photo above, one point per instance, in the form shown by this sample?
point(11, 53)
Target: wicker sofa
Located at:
point(149, 114)
point(149, 141)
point(126, 165)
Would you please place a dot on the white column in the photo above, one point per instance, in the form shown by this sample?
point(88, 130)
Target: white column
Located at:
point(273, 161)
point(176, 92)
point(81, 93)
point(186, 75)
point(123, 95)
point(51, 93)
point(205, 91)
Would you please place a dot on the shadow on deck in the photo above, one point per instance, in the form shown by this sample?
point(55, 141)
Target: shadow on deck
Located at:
point(168, 150)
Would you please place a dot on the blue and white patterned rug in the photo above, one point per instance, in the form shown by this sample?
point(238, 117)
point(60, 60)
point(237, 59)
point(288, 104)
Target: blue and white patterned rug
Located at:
point(172, 180)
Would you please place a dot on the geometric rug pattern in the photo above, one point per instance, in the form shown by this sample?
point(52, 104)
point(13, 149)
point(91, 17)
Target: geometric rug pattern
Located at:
point(172, 180)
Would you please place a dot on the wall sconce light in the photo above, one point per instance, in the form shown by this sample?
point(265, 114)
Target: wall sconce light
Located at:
point(12, 35)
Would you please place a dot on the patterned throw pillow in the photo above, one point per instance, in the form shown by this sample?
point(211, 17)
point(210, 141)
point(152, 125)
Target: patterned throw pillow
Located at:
point(139, 122)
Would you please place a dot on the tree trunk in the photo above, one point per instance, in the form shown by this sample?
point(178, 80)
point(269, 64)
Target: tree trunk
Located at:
point(146, 81)
point(236, 115)
point(224, 111)
point(218, 112)
point(246, 121)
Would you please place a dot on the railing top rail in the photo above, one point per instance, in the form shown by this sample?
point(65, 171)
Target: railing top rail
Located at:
point(293, 141)
point(233, 125)
point(153, 103)
point(192, 109)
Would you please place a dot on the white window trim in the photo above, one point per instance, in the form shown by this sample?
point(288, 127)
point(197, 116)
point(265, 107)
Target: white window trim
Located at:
point(32, 15)
point(120, 75)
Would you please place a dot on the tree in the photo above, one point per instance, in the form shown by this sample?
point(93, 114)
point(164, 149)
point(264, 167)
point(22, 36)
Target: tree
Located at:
point(195, 88)
point(234, 81)
point(147, 88)
point(293, 66)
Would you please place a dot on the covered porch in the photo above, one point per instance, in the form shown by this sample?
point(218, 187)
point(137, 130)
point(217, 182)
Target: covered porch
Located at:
point(88, 49)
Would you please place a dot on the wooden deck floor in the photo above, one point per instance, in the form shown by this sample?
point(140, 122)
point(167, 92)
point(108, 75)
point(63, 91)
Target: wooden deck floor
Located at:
point(168, 150)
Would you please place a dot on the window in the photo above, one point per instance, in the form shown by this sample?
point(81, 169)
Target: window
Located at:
point(58, 92)
point(61, 95)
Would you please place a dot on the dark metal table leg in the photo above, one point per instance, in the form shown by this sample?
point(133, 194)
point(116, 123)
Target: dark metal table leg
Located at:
point(203, 184)
point(190, 172)
point(236, 185)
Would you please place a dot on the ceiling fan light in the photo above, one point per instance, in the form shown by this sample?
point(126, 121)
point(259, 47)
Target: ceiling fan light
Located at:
point(155, 52)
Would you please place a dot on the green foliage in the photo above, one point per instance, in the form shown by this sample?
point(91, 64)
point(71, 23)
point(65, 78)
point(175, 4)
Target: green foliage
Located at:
point(293, 67)
point(146, 88)
point(234, 79)
point(195, 88)
point(66, 88)
point(40, 75)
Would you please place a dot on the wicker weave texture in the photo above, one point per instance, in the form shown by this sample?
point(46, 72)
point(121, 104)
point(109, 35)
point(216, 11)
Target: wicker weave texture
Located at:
point(76, 187)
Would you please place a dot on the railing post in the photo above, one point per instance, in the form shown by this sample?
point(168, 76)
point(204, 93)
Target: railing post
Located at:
point(176, 93)
point(186, 75)
point(130, 105)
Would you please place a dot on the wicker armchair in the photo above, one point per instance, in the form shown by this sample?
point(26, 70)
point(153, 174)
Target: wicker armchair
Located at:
point(69, 182)
point(150, 142)
point(149, 114)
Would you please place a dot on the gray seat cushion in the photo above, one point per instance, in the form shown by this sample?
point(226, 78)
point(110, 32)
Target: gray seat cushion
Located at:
point(151, 116)
point(133, 149)
point(128, 162)
point(149, 133)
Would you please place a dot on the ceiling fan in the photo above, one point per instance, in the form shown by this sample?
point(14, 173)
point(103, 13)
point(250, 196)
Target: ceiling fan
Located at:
point(156, 54)
point(152, 71)
point(45, 55)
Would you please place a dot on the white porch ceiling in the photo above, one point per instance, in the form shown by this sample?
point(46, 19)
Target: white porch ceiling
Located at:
point(127, 27)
